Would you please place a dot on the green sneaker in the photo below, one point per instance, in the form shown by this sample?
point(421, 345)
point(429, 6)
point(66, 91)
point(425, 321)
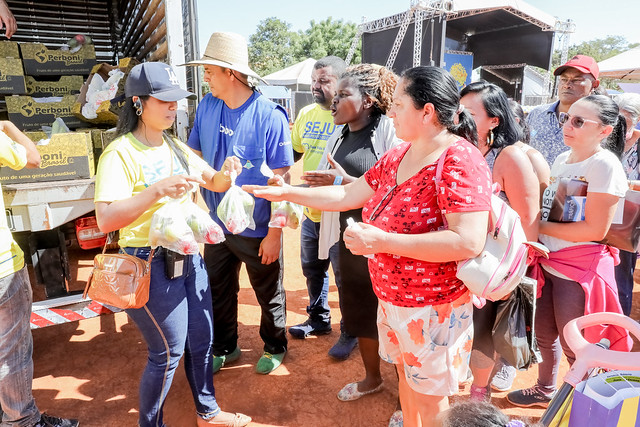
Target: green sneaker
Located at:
point(269, 362)
point(220, 361)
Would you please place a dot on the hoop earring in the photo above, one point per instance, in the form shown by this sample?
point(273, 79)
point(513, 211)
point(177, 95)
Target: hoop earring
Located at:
point(138, 106)
point(490, 138)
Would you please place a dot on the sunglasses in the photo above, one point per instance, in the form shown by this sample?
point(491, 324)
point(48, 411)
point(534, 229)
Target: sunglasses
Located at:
point(576, 121)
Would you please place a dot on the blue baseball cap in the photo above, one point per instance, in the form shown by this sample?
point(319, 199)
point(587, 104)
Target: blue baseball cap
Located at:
point(155, 79)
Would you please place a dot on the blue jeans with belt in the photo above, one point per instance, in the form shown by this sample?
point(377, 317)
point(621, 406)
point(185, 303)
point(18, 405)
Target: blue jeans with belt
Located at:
point(177, 320)
point(17, 406)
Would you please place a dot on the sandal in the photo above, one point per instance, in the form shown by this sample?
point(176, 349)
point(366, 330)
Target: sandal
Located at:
point(239, 420)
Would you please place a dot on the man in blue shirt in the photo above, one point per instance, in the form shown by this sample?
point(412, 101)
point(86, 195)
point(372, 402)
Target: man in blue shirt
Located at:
point(578, 78)
point(236, 120)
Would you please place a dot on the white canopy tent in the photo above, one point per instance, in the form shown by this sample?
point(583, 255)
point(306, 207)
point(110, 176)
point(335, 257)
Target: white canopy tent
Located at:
point(625, 66)
point(296, 77)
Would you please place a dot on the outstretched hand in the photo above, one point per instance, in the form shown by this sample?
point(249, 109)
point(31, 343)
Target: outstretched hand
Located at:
point(271, 193)
point(319, 178)
point(7, 20)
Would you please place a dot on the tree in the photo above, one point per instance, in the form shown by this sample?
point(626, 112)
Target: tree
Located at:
point(273, 46)
point(598, 49)
point(328, 37)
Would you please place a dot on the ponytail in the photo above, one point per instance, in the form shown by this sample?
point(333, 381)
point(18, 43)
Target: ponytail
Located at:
point(616, 139)
point(465, 127)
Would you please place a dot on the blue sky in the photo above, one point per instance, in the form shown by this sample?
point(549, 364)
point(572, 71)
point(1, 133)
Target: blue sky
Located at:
point(621, 17)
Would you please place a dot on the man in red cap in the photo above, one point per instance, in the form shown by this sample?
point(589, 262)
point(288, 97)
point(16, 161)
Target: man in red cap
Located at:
point(577, 79)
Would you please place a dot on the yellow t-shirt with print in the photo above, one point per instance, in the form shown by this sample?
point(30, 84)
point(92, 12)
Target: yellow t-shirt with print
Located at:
point(127, 167)
point(309, 135)
point(14, 156)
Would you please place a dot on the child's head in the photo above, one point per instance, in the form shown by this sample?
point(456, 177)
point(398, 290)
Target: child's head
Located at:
point(471, 413)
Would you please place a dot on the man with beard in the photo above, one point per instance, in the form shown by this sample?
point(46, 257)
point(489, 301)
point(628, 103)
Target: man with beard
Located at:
point(309, 136)
point(578, 78)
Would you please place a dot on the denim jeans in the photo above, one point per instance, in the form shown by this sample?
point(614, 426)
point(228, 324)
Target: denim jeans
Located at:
point(316, 271)
point(176, 320)
point(17, 406)
point(624, 279)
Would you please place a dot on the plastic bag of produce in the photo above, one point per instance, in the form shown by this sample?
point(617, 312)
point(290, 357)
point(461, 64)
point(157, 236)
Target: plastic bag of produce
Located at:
point(285, 214)
point(170, 230)
point(204, 228)
point(236, 209)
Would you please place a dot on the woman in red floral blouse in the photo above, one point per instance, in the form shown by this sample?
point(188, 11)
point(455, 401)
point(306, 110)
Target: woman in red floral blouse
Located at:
point(425, 312)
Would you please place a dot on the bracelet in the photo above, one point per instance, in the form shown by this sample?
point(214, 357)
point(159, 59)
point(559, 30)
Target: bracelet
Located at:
point(337, 180)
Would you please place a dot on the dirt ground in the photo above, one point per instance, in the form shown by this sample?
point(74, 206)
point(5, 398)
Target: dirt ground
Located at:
point(90, 369)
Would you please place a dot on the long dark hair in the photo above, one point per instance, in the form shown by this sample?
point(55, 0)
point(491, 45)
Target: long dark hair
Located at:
point(609, 114)
point(496, 104)
point(128, 121)
point(519, 113)
point(436, 86)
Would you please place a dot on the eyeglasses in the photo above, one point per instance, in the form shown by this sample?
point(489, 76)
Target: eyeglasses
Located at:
point(572, 82)
point(382, 204)
point(575, 121)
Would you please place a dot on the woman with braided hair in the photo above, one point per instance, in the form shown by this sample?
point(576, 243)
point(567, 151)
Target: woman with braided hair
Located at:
point(363, 97)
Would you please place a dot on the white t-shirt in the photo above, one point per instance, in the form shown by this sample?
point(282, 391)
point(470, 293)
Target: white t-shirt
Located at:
point(604, 174)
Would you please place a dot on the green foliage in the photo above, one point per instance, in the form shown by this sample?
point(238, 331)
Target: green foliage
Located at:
point(598, 49)
point(273, 46)
point(329, 37)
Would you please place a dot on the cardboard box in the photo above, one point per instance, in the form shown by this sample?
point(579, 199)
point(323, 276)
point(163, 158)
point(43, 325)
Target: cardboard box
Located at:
point(67, 156)
point(27, 113)
point(108, 111)
point(40, 61)
point(66, 85)
point(12, 79)
point(9, 50)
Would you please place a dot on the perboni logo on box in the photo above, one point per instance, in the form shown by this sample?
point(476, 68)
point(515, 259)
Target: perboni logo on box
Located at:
point(45, 88)
point(42, 56)
point(29, 109)
point(55, 159)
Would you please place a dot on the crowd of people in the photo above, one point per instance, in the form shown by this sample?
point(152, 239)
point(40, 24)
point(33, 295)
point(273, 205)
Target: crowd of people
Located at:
point(369, 144)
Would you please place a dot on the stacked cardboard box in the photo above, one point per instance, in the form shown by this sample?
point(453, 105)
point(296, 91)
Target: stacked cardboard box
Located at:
point(66, 156)
point(11, 73)
point(33, 70)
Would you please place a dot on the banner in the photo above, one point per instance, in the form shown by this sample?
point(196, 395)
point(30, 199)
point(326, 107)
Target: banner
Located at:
point(460, 65)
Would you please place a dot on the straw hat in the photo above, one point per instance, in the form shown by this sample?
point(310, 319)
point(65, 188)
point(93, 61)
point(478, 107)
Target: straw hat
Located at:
point(227, 50)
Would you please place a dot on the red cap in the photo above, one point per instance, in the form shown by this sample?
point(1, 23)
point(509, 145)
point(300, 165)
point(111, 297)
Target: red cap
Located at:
point(582, 63)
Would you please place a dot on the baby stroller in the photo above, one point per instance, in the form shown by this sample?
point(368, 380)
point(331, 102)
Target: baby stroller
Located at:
point(590, 358)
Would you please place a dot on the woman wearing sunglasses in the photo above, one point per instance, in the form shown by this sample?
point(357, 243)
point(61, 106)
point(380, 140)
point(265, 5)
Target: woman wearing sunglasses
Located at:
point(578, 278)
point(424, 312)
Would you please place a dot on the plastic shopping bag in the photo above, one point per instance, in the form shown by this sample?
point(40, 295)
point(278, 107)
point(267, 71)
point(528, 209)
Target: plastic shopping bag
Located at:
point(170, 230)
point(204, 228)
point(236, 209)
point(513, 332)
point(285, 214)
